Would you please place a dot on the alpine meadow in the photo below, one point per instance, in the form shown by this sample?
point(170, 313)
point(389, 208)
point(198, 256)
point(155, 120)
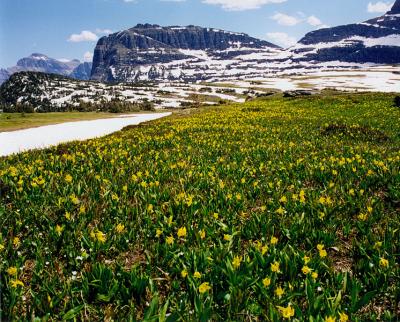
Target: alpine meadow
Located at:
point(273, 209)
point(200, 160)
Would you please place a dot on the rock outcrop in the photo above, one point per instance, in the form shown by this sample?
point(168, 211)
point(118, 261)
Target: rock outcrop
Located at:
point(146, 49)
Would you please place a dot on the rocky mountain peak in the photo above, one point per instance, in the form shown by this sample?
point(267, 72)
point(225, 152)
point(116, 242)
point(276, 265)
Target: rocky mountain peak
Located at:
point(145, 26)
point(395, 9)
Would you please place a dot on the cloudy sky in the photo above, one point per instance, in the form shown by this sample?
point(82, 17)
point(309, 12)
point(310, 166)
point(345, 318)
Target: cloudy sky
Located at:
point(66, 29)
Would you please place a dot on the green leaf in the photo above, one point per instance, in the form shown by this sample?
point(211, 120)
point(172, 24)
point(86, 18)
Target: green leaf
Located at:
point(73, 312)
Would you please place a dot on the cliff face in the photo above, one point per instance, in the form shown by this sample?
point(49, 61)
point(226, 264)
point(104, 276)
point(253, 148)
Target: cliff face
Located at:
point(119, 56)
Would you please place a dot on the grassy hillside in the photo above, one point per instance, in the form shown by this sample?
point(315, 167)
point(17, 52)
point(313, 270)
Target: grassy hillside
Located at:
point(273, 209)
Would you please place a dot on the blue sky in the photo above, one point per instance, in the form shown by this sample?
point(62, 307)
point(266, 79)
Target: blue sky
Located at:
point(69, 28)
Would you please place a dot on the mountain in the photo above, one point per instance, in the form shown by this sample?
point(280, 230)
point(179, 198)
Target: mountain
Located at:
point(175, 53)
point(373, 41)
point(82, 71)
point(4, 75)
point(42, 63)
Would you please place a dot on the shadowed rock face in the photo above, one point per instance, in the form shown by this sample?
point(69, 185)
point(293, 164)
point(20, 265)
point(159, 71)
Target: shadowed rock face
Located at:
point(82, 71)
point(147, 44)
point(396, 8)
point(376, 40)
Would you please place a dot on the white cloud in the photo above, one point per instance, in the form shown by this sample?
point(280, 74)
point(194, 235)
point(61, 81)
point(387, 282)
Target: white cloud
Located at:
point(239, 5)
point(84, 35)
point(314, 21)
point(88, 57)
point(286, 20)
point(379, 7)
point(103, 31)
point(282, 38)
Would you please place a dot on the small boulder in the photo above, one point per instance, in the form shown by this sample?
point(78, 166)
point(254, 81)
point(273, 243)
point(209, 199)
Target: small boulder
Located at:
point(397, 101)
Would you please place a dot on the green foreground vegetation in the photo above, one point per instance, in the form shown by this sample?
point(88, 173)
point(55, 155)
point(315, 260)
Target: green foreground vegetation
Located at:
point(276, 209)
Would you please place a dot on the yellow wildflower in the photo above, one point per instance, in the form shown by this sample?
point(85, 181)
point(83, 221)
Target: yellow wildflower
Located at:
point(343, 317)
point(197, 275)
point(283, 199)
point(280, 211)
point(158, 233)
point(266, 281)
point(205, 287)
point(306, 270)
point(227, 237)
point(383, 262)
point(182, 232)
point(275, 266)
point(322, 252)
point(287, 312)
point(16, 242)
point(330, 319)
point(236, 262)
point(101, 237)
point(306, 259)
point(202, 234)
point(363, 217)
point(15, 283)
point(74, 199)
point(314, 275)
point(170, 240)
point(279, 291)
point(59, 230)
point(68, 178)
point(120, 228)
point(12, 271)
point(184, 273)
point(274, 240)
point(264, 249)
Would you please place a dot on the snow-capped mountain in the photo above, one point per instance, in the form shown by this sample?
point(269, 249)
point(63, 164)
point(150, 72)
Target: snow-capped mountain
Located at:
point(177, 53)
point(152, 52)
point(42, 63)
point(373, 41)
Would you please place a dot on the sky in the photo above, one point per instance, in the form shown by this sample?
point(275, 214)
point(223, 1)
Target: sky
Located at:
point(69, 29)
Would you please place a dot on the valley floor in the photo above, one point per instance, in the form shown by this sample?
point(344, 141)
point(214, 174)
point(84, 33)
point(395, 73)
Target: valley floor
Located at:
point(268, 210)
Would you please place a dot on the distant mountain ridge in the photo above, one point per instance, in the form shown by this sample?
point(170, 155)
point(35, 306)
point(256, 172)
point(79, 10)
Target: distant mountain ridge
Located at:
point(373, 41)
point(42, 63)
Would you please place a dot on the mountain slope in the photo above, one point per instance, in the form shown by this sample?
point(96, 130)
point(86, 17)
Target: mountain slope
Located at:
point(42, 63)
point(375, 41)
point(184, 53)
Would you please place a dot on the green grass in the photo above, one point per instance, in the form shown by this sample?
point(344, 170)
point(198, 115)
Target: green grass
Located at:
point(19, 121)
point(245, 212)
